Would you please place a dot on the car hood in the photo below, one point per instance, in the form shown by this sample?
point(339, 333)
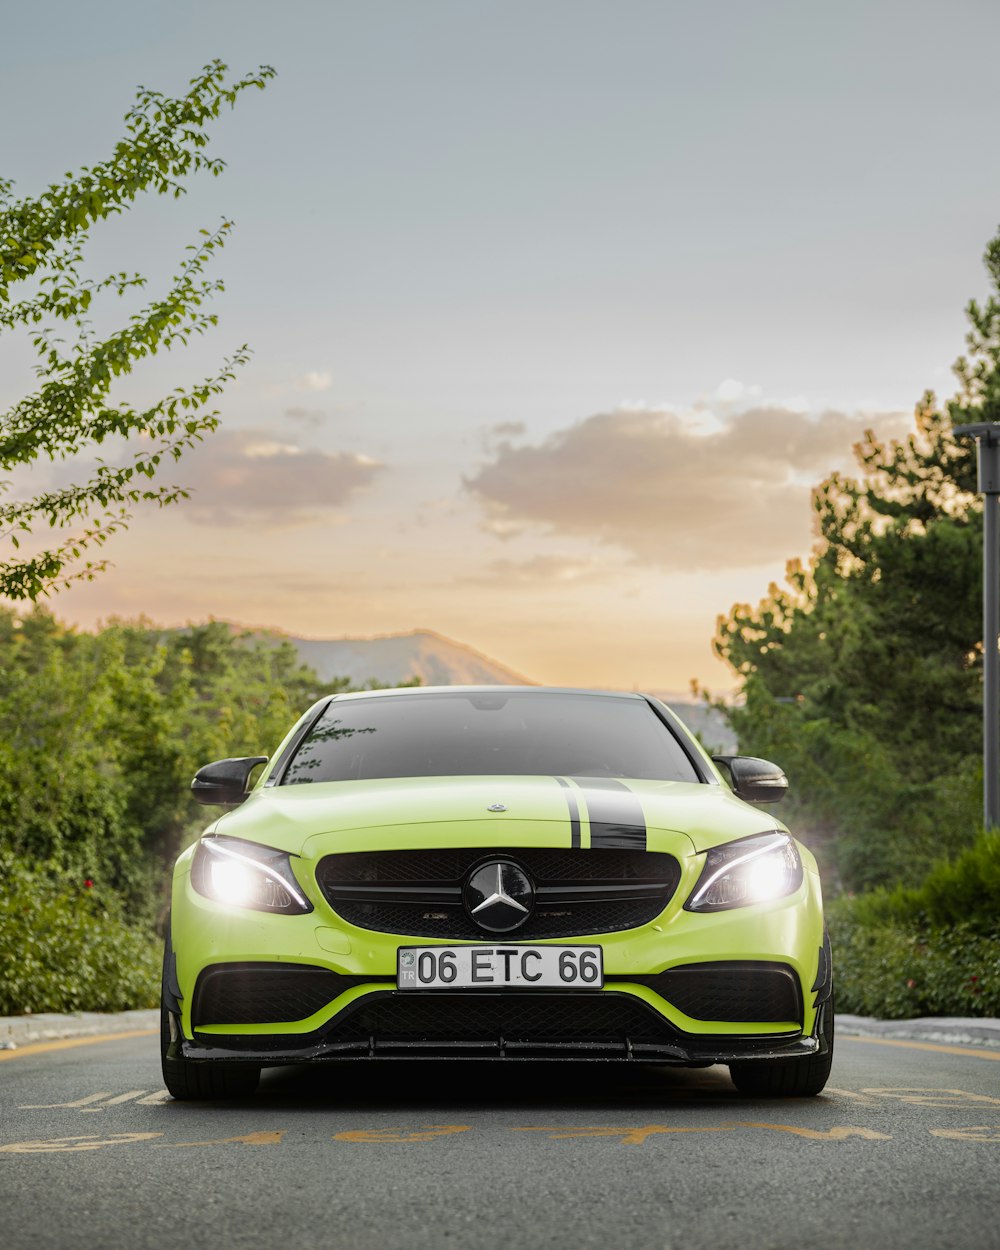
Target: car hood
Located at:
point(390, 814)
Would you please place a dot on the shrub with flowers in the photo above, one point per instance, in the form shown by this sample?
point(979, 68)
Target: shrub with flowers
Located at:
point(65, 945)
point(897, 973)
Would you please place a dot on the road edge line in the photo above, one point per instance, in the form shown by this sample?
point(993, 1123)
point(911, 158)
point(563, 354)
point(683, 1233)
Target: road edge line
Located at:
point(936, 1046)
point(64, 1043)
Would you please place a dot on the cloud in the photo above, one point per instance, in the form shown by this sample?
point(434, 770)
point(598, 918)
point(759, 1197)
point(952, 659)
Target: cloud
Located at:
point(495, 435)
point(508, 429)
point(731, 393)
point(268, 447)
point(675, 494)
point(241, 476)
point(315, 380)
point(538, 571)
point(308, 416)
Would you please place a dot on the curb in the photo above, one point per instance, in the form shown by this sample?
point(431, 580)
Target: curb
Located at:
point(18, 1031)
point(954, 1030)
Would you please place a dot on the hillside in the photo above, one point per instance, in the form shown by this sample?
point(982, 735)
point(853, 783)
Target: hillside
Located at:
point(441, 661)
point(395, 658)
point(710, 725)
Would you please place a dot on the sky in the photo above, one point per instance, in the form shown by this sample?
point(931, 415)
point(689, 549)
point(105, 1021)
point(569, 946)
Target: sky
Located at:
point(559, 309)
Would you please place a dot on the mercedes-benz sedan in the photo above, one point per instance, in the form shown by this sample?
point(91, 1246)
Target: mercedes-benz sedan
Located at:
point(496, 873)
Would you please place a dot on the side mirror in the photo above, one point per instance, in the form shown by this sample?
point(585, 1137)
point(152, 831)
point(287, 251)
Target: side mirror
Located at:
point(754, 780)
point(224, 783)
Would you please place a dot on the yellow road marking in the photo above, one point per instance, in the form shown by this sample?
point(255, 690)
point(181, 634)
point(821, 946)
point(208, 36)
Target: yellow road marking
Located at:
point(629, 1136)
point(898, 1041)
point(833, 1134)
point(428, 1133)
point(265, 1138)
point(102, 1100)
point(849, 1093)
point(154, 1100)
point(970, 1134)
point(53, 1145)
point(132, 1093)
point(64, 1043)
point(80, 1102)
point(918, 1096)
point(636, 1136)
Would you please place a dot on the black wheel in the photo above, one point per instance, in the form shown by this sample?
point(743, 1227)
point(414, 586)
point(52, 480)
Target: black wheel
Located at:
point(190, 1080)
point(788, 1078)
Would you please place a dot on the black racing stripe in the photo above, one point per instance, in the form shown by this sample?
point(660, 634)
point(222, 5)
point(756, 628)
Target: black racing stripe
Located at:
point(574, 813)
point(616, 815)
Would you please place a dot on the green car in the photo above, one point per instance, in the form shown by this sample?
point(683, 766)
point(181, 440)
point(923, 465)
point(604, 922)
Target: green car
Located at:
point(495, 873)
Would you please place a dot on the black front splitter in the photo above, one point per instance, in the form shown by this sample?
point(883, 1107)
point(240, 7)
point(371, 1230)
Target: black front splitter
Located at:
point(698, 1053)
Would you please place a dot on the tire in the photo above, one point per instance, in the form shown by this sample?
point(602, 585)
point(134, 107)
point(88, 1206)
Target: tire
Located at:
point(787, 1078)
point(191, 1080)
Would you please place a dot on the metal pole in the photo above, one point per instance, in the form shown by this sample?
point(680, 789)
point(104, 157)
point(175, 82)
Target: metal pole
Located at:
point(987, 436)
point(991, 661)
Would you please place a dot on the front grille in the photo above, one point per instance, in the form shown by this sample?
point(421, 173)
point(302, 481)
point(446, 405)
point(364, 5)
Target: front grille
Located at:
point(449, 864)
point(734, 991)
point(264, 993)
point(507, 1019)
point(419, 892)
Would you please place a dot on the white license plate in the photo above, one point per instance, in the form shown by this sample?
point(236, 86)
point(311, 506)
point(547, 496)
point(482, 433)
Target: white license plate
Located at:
point(500, 967)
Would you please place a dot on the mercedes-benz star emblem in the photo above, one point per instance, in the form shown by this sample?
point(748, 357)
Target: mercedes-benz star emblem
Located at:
point(497, 807)
point(499, 896)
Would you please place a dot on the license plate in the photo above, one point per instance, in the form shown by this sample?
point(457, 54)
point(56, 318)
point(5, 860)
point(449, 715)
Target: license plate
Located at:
point(500, 967)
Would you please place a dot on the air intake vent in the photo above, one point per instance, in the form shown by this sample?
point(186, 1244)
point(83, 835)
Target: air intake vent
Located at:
point(265, 993)
point(735, 992)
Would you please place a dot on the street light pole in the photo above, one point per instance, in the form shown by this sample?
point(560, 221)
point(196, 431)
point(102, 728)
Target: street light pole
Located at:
point(987, 436)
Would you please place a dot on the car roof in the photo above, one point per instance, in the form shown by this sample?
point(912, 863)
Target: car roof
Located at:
point(401, 690)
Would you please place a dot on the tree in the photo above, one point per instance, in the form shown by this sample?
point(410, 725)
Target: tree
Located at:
point(72, 409)
point(100, 735)
point(863, 674)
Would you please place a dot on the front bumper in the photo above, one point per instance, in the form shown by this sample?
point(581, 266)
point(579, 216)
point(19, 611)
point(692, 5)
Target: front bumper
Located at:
point(364, 1017)
point(613, 1026)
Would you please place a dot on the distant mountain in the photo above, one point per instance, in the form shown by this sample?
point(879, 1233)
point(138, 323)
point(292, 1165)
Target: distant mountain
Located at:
point(710, 725)
point(440, 661)
point(395, 658)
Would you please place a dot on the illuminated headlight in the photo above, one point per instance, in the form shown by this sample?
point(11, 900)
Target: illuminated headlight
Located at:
point(243, 874)
point(753, 870)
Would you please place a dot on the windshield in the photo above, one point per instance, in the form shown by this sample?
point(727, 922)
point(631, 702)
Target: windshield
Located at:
point(489, 734)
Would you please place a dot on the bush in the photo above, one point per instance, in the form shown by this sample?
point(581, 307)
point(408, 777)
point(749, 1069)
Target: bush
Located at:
point(964, 891)
point(65, 946)
point(895, 972)
point(927, 950)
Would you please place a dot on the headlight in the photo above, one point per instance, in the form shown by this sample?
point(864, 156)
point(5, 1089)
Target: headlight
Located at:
point(243, 874)
point(753, 870)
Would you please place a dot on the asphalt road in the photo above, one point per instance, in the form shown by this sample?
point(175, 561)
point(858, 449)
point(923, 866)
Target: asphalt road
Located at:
point(903, 1150)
